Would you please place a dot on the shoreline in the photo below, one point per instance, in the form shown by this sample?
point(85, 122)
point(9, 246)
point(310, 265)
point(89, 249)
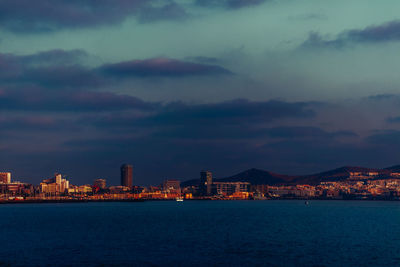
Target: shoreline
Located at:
point(60, 201)
point(50, 201)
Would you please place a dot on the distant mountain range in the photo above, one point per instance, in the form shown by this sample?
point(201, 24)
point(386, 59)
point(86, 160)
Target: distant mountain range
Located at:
point(257, 176)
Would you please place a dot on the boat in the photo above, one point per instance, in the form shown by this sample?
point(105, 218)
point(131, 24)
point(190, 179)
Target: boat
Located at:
point(179, 199)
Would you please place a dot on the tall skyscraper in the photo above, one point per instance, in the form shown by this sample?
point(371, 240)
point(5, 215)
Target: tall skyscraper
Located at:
point(127, 175)
point(205, 187)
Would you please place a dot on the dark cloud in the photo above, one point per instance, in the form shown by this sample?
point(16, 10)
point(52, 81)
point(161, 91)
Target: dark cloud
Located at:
point(315, 40)
point(382, 97)
point(171, 11)
point(227, 152)
point(223, 118)
point(25, 16)
point(55, 57)
point(50, 15)
point(39, 99)
point(176, 139)
point(62, 76)
point(393, 119)
point(302, 132)
point(233, 111)
point(125, 128)
point(68, 69)
point(389, 31)
point(386, 32)
point(54, 68)
point(230, 4)
point(389, 138)
point(384, 100)
point(27, 122)
point(163, 67)
point(239, 119)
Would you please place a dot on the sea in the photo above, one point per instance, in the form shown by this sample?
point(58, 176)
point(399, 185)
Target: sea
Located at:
point(201, 233)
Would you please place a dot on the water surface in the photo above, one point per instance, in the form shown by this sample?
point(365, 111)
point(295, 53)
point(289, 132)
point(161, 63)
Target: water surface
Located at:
point(198, 233)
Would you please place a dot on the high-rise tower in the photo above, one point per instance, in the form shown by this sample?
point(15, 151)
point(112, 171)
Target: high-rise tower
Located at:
point(205, 187)
point(127, 175)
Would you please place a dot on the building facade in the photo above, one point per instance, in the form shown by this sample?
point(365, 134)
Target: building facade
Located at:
point(56, 185)
point(205, 187)
point(172, 186)
point(100, 183)
point(127, 175)
point(229, 188)
point(5, 177)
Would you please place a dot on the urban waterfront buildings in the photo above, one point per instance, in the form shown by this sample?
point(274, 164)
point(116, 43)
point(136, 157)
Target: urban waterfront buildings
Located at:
point(5, 177)
point(100, 183)
point(352, 185)
point(229, 188)
point(127, 175)
point(56, 185)
point(170, 186)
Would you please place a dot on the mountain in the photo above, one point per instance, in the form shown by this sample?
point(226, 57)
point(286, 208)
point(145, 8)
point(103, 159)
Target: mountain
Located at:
point(253, 176)
point(256, 176)
point(339, 174)
point(395, 168)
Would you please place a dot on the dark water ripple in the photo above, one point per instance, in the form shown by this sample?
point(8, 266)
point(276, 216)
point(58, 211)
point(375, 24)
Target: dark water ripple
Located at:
point(199, 233)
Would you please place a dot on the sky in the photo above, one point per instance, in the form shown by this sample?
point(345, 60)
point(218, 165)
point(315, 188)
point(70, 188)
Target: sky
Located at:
point(177, 86)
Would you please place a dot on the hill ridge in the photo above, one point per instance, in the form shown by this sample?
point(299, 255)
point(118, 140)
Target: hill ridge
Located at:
point(257, 176)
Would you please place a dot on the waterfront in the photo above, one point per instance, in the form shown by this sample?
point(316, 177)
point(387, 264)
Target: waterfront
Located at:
point(197, 233)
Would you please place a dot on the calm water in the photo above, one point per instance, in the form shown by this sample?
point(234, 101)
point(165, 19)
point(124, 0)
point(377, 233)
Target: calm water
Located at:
point(197, 233)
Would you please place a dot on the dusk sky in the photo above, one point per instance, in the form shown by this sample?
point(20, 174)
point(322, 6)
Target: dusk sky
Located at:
point(174, 87)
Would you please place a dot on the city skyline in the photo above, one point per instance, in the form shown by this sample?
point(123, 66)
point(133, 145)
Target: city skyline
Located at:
point(293, 87)
point(345, 183)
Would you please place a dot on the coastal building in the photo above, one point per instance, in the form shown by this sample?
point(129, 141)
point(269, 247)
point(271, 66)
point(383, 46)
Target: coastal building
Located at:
point(100, 183)
point(5, 177)
point(205, 186)
point(119, 189)
point(260, 189)
point(230, 188)
point(395, 174)
point(83, 189)
point(172, 186)
point(55, 185)
point(127, 175)
point(16, 188)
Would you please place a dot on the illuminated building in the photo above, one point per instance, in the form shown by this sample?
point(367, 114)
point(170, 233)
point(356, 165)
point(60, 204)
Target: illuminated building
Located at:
point(5, 177)
point(119, 189)
point(15, 188)
point(127, 175)
point(227, 189)
point(100, 183)
point(83, 189)
point(54, 185)
point(172, 186)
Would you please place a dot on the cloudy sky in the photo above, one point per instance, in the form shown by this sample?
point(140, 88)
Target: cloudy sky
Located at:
point(176, 86)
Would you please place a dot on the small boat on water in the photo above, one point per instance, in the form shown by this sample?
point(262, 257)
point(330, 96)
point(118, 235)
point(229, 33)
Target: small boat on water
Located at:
point(179, 199)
